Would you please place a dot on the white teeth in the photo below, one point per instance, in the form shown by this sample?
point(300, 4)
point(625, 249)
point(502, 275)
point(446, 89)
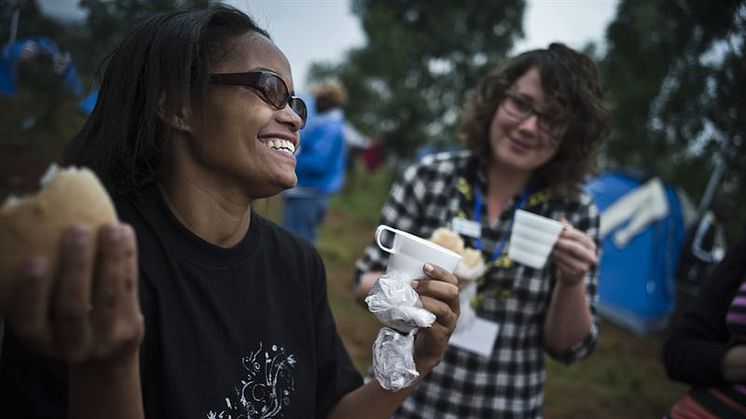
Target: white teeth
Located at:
point(281, 145)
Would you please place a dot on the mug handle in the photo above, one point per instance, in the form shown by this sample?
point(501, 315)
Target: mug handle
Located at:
point(380, 230)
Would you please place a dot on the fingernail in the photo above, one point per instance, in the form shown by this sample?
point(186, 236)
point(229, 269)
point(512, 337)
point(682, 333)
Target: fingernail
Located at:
point(428, 268)
point(79, 236)
point(115, 234)
point(414, 284)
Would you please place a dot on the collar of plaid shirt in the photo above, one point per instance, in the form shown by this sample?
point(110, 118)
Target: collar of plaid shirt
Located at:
point(471, 198)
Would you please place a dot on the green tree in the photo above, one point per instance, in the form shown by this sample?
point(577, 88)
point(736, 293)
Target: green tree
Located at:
point(676, 73)
point(43, 115)
point(421, 59)
point(109, 20)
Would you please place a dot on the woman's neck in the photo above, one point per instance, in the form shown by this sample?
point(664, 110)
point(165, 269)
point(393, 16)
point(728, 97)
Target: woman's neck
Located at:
point(503, 183)
point(215, 217)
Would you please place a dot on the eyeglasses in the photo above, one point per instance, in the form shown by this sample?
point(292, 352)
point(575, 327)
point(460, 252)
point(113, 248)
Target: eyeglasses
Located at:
point(271, 88)
point(520, 108)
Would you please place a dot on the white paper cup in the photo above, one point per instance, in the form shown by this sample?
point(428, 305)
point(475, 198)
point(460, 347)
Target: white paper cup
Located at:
point(409, 253)
point(532, 238)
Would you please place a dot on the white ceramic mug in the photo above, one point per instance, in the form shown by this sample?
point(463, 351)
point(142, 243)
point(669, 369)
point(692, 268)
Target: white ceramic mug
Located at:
point(409, 253)
point(532, 238)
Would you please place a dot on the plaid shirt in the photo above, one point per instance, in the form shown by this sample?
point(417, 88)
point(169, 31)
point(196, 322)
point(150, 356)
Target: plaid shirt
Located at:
point(510, 383)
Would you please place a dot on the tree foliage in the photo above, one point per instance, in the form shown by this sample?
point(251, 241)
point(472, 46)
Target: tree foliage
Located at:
point(109, 20)
point(676, 73)
point(421, 59)
point(43, 114)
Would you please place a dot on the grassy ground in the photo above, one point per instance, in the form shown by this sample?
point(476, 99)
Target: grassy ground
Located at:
point(624, 378)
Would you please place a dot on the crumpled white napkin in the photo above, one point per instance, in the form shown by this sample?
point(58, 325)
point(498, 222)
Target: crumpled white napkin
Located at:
point(396, 304)
point(393, 359)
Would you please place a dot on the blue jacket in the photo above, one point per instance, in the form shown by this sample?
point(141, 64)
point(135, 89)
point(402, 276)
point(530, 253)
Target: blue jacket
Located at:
point(322, 158)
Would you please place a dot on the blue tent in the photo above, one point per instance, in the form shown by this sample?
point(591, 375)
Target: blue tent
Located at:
point(642, 226)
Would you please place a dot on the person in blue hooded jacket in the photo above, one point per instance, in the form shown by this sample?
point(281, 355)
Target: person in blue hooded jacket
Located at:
point(321, 163)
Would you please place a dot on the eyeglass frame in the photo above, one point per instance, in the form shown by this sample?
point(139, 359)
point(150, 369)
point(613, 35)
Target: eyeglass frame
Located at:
point(252, 79)
point(555, 123)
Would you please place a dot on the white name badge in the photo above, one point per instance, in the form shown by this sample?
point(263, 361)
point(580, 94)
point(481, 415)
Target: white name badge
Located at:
point(467, 228)
point(479, 338)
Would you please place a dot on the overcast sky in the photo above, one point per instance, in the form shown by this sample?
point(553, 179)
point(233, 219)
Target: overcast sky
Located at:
point(321, 30)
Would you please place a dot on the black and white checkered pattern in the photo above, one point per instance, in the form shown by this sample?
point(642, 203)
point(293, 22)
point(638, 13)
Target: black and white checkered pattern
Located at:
point(510, 383)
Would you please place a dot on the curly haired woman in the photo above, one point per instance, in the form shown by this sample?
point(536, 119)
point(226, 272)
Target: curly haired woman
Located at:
point(532, 129)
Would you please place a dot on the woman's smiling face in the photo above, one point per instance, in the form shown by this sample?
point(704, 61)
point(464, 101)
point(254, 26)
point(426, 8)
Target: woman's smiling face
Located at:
point(520, 143)
point(238, 141)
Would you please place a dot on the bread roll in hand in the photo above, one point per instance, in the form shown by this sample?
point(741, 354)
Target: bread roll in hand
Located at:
point(33, 225)
point(472, 264)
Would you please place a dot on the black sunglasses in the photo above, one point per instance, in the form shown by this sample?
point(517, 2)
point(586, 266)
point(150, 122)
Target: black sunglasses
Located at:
point(271, 88)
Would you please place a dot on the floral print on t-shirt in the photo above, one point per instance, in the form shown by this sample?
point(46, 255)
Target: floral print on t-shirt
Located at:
point(266, 389)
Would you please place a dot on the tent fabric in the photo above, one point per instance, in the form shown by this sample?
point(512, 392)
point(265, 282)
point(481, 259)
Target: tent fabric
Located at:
point(637, 269)
point(638, 208)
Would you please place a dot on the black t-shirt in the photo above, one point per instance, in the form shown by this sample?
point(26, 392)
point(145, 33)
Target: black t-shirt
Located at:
point(240, 331)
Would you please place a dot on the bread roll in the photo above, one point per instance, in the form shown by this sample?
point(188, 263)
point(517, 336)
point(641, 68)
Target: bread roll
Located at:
point(471, 257)
point(448, 239)
point(33, 226)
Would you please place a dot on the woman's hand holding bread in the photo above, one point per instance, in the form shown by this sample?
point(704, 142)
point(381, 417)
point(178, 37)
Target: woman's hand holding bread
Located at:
point(68, 274)
point(86, 311)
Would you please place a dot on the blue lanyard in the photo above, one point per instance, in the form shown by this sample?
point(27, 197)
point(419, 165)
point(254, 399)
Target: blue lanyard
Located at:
point(478, 219)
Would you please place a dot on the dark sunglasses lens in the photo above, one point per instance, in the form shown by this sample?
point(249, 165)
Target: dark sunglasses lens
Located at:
point(274, 90)
point(299, 107)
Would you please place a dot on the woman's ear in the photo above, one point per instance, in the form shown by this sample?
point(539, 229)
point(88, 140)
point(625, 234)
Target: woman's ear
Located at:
point(178, 120)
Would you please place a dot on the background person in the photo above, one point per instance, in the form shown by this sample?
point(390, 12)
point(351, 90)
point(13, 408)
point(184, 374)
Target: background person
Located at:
point(532, 129)
point(196, 119)
point(707, 346)
point(321, 164)
point(703, 249)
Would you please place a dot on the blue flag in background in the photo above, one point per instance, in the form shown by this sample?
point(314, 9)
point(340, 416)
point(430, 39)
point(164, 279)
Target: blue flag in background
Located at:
point(28, 49)
point(10, 55)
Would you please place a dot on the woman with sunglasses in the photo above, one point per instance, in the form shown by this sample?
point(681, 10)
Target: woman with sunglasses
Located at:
point(531, 129)
point(195, 120)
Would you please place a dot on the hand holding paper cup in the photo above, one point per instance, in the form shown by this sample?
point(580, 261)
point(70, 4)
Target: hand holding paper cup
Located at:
point(409, 253)
point(399, 307)
point(532, 238)
point(392, 298)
